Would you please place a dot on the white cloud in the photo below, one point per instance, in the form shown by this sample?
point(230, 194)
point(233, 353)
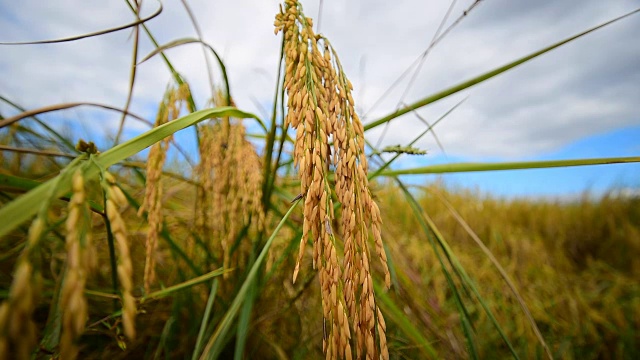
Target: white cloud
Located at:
point(587, 87)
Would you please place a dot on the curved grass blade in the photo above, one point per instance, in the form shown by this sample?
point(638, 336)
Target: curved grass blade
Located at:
point(36, 152)
point(415, 140)
point(184, 41)
point(268, 175)
point(184, 285)
point(55, 134)
point(196, 27)
point(217, 340)
point(21, 209)
point(84, 36)
point(46, 109)
point(132, 75)
point(176, 76)
point(471, 167)
point(244, 320)
point(488, 75)
point(394, 313)
point(205, 319)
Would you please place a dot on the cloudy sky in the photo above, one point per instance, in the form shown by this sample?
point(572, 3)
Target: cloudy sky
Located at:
point(578, 101)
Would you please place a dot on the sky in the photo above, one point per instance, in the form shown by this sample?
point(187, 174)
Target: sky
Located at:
point(578, 101)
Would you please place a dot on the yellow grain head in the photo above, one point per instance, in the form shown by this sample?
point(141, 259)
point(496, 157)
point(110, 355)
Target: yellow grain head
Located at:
point(231, 176)
point(320, 107)
point(174, 100)
point(125, 267)
point(17, 328)
point(80, 261)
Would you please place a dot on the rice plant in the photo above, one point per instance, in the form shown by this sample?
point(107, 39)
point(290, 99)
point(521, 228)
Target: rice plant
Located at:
point(263, 252)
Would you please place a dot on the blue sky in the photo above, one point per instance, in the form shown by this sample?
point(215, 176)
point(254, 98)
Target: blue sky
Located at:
point(579, 101)
point(558, 182)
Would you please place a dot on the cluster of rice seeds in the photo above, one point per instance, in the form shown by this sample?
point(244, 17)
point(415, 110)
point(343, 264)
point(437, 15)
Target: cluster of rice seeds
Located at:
point(206, 149)
point(17, 328)
point(116, 198)
point(232, 181)
point(321, 107)
point(81, 259)
point(169, 110)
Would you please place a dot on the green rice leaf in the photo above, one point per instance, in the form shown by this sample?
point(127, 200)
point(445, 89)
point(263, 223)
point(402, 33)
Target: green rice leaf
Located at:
point(24, 207)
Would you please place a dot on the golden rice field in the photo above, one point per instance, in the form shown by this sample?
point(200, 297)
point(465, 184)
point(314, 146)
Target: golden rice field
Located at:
point(321, 251)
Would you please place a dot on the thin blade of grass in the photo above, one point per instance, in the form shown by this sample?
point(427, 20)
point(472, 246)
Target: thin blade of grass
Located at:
point(216, 342)
point(431, 231)
point(46, 109)
point(393, 313)
point(185, 41)
point(96, 33)
point(205, 319)
point(472, 167)
point(486, 76)
point(184, 285)
point(176, 76)
point(415, 140)
point(63, 140)
point(243, 321)
point(196, 27)
point(36, 152)
point(132, 75)
point(166, 331)
point(268, 175)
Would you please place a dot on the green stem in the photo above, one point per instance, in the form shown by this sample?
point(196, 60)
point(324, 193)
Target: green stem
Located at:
point(471, 167)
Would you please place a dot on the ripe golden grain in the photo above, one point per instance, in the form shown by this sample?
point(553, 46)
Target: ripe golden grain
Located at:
point(124, 268)
point(169, 110)
point(80, 261)
point(17, 328)
point(232, 180)
point(320, 106)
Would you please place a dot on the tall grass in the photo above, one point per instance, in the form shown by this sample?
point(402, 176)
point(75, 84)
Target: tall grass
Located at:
point(105, 253)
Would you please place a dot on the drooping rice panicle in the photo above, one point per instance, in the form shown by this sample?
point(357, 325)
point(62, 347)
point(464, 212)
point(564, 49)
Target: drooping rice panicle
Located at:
point(169, 110)
point(321, 109)
point(81, 259)
point(115, 199)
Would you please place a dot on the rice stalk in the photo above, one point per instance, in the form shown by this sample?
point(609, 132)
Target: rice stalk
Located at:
point(231, 193)
point(169, 110)
point(17, 328)
point(81, 259)
point(320, 108)
point(116, 198)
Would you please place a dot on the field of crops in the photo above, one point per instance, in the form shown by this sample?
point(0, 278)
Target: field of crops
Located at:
point(301, 241)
